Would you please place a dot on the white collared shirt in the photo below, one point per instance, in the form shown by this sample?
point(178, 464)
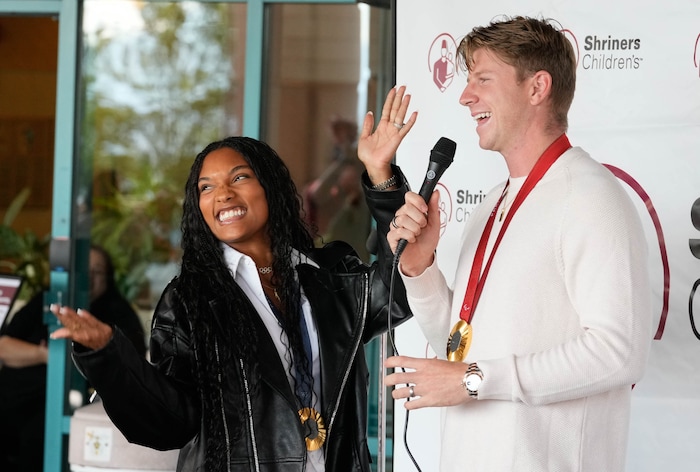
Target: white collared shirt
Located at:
point(245, 274)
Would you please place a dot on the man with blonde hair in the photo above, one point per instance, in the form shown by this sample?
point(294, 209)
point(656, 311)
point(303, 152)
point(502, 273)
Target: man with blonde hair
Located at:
point(547, 324)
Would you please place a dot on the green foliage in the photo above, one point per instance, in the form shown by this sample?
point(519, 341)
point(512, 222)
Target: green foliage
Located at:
point(136, 228)
point(24, 254)
point(153, 99)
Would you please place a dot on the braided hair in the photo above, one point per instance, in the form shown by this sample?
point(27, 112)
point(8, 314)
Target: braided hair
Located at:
point(223, 341)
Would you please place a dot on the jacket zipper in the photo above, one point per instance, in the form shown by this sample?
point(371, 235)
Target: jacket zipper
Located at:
point(250, 417)
point(223, 412)
point(248, 408)
point(358, 341)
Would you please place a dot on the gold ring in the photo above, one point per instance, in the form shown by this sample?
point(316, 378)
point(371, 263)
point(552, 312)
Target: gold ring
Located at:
point(411, 392)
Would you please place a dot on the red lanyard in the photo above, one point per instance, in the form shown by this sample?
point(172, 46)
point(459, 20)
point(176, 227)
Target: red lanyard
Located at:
point(476, 278)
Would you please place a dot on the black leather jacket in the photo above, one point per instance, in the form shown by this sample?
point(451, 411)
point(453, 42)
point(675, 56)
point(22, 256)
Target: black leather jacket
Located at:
point(157, 404)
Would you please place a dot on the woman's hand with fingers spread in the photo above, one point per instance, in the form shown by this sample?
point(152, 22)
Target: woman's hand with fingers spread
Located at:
point(376, 149)
point(81, 327)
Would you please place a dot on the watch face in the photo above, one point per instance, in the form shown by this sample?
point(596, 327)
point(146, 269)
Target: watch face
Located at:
point(473, 382)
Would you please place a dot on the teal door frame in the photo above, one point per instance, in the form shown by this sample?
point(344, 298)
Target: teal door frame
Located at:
point(63, 248)
point(67, 11)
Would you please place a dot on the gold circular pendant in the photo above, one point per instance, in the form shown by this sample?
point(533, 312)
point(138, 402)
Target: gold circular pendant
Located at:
point(459, 341)
point(313, 421)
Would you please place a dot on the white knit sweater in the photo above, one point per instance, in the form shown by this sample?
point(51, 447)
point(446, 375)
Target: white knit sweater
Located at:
point(561, 331)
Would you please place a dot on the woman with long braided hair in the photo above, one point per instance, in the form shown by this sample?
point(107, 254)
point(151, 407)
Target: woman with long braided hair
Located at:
point(256, 352)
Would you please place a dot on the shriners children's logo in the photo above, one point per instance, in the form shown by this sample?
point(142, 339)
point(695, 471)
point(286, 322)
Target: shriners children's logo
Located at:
point(574, 42)
point(445, 206)
point(441, 60)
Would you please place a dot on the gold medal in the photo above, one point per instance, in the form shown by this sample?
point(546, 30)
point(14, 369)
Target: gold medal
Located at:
point(313, 421)
point(459, 341)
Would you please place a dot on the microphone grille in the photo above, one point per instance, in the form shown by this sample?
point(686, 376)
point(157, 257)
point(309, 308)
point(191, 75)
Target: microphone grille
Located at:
point(445, 148)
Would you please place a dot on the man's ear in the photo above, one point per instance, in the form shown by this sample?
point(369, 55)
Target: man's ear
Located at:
point(541, 84)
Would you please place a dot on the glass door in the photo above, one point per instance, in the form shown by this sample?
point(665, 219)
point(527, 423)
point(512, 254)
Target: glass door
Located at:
point(140, 87)
point(38, 49)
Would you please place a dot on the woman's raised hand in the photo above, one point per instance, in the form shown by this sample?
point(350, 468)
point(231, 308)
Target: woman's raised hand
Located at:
point(376, 149)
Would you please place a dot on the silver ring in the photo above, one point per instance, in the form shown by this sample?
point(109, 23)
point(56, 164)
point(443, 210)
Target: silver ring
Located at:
point(398, 125)
point(393, 222)
point(411, 392)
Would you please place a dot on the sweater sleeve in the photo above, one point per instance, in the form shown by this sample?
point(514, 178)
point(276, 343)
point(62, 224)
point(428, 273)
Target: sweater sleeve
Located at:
point(430, 300)
point(601, 257)
point(429, 294)
point(566, 309)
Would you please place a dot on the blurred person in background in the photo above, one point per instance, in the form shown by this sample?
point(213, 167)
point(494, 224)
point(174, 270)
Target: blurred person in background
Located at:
point(24, 354)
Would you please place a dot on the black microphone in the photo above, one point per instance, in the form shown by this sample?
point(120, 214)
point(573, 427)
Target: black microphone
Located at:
point(441, 157)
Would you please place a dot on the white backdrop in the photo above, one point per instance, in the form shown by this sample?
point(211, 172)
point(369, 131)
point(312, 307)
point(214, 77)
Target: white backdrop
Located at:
point(636, 109)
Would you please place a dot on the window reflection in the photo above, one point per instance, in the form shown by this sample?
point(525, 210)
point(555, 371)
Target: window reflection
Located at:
point(317, 76)
point(160, 81)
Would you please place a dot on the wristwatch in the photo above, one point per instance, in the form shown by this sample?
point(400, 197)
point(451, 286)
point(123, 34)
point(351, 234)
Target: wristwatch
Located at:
point(472, 380)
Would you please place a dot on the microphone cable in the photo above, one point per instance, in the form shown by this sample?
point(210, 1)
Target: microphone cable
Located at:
point(441, 157)
point(394, 269)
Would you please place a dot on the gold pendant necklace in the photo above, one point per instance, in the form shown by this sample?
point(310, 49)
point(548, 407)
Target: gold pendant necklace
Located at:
point(274, 290)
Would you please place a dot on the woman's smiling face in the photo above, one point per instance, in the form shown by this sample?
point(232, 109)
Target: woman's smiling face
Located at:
point(232, 201)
